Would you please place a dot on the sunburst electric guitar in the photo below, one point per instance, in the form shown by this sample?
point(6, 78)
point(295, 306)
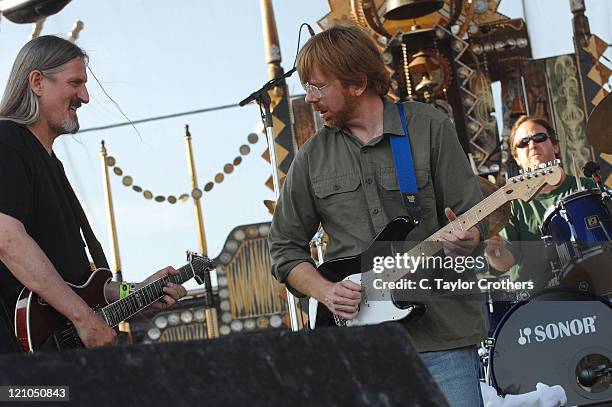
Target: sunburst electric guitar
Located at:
point(38, 326)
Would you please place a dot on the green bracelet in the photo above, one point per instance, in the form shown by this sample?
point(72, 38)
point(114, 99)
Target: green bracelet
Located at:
point(124, 290)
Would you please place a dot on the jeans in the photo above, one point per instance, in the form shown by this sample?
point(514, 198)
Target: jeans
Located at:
point(456, 373)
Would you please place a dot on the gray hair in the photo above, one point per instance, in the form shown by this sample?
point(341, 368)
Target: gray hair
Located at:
point(46, 54)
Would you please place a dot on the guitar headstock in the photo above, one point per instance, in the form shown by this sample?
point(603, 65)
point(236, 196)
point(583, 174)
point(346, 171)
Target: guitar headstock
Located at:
point(526, 185)
point(200, 265)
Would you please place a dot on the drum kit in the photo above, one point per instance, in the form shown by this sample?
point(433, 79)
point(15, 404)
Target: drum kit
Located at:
point(563, 335)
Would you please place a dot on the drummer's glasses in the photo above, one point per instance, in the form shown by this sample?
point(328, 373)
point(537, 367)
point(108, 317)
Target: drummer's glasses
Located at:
point(538, 138)
point(317, 91)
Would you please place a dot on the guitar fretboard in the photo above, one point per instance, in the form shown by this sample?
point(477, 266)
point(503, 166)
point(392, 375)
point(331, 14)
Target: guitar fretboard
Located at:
point(433, 243)
point(126, 307)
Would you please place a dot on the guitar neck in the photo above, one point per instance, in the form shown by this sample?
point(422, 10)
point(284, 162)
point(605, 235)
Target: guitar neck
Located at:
point(433, 243)
point(126, 307)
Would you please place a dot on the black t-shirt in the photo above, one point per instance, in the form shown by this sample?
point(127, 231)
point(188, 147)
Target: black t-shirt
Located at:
point(34, 190)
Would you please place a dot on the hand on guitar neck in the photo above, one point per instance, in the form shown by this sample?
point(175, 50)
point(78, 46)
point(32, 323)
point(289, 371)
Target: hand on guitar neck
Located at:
point(95, 332)
point(172, 292)
point(459, 242)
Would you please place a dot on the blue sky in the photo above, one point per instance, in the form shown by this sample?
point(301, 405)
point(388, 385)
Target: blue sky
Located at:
point(156, 58)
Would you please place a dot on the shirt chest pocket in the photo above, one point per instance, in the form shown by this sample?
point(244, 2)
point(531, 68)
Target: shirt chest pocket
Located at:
point(390, 186)
point(337, 193)
point(388, 178)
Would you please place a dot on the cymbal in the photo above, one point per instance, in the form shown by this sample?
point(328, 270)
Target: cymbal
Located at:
point(599, 131)
point(499, 218)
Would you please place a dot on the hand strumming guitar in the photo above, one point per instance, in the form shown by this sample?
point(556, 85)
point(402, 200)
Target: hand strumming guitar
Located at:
point(343, 298)
point(94, 332)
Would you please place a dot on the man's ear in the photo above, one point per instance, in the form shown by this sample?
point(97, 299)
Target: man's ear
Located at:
point(35, 79)
point(362, 87)
point(556, 149)
point(515, 156)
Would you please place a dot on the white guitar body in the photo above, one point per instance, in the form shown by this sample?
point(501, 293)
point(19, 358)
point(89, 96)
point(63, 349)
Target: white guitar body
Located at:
point(370, 312)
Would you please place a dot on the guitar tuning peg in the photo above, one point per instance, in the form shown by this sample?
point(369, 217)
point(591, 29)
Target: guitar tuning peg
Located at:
point(521, 171)
point(557, 162)
point(549, 163)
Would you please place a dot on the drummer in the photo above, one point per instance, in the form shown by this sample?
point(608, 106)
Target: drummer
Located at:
point(520, 249)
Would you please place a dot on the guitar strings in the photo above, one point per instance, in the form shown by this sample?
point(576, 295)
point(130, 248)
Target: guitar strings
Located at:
point(487, 206)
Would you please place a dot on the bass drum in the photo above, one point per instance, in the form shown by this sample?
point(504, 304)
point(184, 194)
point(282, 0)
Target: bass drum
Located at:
point(557, 338)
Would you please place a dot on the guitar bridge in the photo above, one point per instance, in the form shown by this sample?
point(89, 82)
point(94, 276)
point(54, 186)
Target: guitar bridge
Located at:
point(340, 321)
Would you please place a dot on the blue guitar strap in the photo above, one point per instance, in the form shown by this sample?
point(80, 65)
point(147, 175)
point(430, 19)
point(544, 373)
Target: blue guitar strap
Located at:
point(404, 168)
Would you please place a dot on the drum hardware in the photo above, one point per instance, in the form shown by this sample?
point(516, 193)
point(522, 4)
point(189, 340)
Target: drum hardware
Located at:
point(523, 295)
point(588, 377)
point(483, 354)
point(563, 213)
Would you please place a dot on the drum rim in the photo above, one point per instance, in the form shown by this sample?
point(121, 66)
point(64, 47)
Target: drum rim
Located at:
point(553, 208)
point(521, 303)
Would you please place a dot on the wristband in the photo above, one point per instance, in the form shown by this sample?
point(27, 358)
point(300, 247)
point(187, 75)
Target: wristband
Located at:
point(124, 290)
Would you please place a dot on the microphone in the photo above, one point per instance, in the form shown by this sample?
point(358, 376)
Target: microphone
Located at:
point(590, 169)
point(589, 376)
point(310, 30)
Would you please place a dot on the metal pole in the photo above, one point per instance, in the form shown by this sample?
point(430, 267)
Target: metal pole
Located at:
point(212, 325)
point(110, 217)
point(196, 194)
point(295, 314)
point(312, 303)
point(271, 42)
point(273, 58)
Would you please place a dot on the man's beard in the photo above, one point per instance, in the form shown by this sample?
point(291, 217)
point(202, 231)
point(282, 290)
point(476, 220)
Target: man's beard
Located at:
point(346, 113)
point(70, 126)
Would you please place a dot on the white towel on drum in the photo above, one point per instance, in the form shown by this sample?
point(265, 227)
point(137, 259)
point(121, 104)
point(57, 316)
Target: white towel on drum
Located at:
point(543, 396)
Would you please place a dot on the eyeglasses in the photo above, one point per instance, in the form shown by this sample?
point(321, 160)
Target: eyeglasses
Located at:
point(317, 91)
point(538, 138)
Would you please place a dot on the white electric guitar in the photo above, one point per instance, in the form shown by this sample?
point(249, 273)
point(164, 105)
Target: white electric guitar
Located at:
point(377, 305)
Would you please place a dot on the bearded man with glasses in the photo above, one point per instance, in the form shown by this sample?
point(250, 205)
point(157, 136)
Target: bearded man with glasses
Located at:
point(519, 248)
point(344, 178)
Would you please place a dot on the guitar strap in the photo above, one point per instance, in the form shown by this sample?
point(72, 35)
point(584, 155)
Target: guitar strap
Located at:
point(404, 168)
point(93, 245)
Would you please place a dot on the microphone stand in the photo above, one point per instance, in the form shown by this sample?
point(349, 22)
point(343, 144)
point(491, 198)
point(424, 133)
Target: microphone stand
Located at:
point(262, 97)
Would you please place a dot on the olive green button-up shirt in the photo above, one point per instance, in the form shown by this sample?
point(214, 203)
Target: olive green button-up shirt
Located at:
point(352, 190)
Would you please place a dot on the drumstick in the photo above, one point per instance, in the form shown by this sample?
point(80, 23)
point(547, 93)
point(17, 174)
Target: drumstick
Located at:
point(576, 174)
